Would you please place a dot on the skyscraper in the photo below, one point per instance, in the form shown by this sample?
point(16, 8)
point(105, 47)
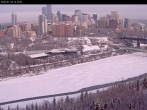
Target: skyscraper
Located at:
point(113, 24)
point(85, 18)
point(49, 12)
point(115, 15)
point(42, 24)
point(13, 18)
point(59, 16)
point(126, 23)
point(44, 10)
point(79, 14)
point(95, 16)
point(64, 17)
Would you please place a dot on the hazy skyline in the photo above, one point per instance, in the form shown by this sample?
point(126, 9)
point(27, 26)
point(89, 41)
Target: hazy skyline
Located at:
point(31, 12)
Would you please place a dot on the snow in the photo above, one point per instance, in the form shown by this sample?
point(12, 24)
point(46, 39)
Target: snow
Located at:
point(32, 39)
point(103, 38)
point(12, 45)
point(40, 101)
point(143, 45)
point(37, 55)
point(57, 51)
point(87, 40)
point(90, 48)
point(35, 52)
point(72, 78)
point(3, 53)
point(105, 47)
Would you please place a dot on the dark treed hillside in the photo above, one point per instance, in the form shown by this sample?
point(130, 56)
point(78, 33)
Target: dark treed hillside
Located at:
point(121, 96)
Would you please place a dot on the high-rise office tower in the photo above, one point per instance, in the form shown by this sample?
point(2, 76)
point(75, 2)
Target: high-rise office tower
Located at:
point(85, 18)
point(13, 18)
point(64, 17)
point(113, 24)
point(42, 24)
point(49, 12)
point(59, 16)
point(95, 16)
point(126, 23)
point(44, 10)
point(121, 23)
point(108, 17)
point(115, 15)
point(79, 14)
point(54, 18)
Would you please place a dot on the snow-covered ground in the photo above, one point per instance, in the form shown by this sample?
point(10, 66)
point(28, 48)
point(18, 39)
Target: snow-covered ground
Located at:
point(39, 101)
point(90, 47)
point(38, 55)
point(72, 78)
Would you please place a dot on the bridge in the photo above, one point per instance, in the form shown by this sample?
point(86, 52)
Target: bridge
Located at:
point(135, 49)
point(139, 39)
point(133, 38)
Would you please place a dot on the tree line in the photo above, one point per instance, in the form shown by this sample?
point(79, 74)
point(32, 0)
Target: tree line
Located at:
point(21, 64)
point(120, 96)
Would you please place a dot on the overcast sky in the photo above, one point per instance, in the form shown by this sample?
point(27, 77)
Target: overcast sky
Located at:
point(30, 12)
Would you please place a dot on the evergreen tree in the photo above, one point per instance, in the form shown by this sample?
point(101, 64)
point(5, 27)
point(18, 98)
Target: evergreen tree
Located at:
point(145, 83)
point(32, 106)
point(54, 102)
point(27, 107)
point(17, 108)
point(36, 107)
point(67, 100)
point(9, 108)
point(82, 96)
point(137, 85)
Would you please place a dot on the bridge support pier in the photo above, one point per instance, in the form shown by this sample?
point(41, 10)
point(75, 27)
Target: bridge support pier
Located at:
point(138, 44)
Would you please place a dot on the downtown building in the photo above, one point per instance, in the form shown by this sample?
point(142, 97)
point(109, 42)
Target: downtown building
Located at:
point(102, 22)
point(44, 10)
point(63, 30)
point(59, 16)
point(126, 23)
point(115, 15)
point(29, 34)
point(49, 12)
point(121, 24)
point(113, 24)
point(2, 33)
point(25, 26)
point(79, 14)
point(35, 27)
point(13, 19)
point(14, 32)
point(42, 21)
point(95, 16)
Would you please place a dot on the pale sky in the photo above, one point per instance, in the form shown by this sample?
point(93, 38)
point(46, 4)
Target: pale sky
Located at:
point(30, 12)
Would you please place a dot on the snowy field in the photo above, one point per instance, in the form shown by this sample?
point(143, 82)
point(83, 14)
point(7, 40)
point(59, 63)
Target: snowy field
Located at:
point(72, 78)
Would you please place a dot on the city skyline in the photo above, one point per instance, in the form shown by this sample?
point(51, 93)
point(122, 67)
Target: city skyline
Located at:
point(31, 12)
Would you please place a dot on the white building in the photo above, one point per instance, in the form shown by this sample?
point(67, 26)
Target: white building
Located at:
point(42, 24)
point(14, 31)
